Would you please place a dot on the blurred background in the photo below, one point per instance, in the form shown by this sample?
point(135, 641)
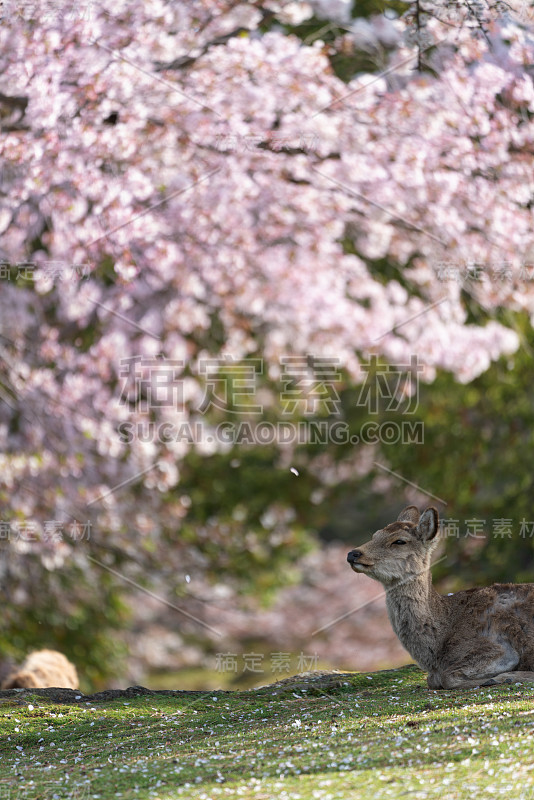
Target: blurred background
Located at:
point(266, 277)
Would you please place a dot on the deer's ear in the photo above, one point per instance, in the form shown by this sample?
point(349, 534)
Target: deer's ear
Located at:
point(409, 514)
point(428, 524)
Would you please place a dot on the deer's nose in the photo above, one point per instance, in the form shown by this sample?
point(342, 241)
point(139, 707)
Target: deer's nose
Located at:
point(353, 556)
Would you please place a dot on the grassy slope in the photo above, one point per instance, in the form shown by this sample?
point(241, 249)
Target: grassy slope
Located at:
point(378, 735)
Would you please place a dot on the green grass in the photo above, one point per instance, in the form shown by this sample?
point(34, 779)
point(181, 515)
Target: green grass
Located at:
point(380, 735)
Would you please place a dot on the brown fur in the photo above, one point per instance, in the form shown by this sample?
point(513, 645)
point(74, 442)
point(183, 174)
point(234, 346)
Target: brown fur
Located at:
point(480, 636)
point(42, 669)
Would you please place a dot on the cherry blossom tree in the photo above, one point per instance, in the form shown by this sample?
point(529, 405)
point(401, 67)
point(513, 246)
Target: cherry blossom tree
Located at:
point(186, 182)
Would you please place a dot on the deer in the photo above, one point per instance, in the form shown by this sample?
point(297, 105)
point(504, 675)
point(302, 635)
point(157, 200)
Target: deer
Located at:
point(476, 637)
point(41, 669)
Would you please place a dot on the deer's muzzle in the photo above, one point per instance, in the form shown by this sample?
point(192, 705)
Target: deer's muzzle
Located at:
point(354, 560)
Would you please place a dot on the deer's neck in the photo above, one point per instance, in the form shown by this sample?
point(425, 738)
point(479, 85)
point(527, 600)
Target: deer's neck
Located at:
point(417, 614)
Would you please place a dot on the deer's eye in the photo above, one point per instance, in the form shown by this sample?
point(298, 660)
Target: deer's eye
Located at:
point(400, 541)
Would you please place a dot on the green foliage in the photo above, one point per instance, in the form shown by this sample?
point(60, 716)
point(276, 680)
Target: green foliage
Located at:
point(346, 59)
point(241, 504)
point(478, 456)
point(60, 609)
point(367, 8)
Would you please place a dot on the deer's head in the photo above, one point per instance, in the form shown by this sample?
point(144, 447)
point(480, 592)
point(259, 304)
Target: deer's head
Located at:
point(401, 550)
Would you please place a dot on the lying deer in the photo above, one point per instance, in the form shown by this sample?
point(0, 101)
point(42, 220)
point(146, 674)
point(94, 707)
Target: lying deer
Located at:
point(477, 637)
point(43, 668)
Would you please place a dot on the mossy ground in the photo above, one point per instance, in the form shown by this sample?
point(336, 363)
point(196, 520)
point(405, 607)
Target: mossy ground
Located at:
point(379, 735)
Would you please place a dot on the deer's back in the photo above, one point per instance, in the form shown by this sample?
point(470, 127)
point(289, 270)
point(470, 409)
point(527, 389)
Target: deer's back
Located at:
point(503, 611)
point(498, 598)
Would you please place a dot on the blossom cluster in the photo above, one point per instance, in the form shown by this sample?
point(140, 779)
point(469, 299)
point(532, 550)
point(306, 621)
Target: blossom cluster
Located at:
point(113, 147)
